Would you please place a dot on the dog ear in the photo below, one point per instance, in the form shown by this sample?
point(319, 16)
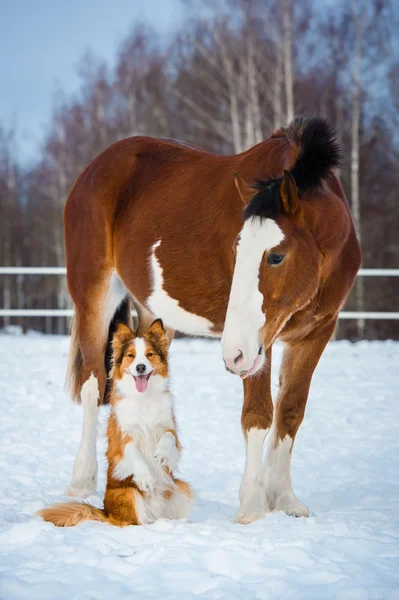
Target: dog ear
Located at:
point(156, 331)
point(123, 333)
point(156, 334)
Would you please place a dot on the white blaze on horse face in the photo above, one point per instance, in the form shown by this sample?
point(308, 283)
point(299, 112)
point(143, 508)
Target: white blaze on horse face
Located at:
point(244, 317)
point(167, 308)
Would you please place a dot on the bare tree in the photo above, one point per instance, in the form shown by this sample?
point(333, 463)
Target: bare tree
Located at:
point(358, 17)
point(9, 200)
point(287, 53)
point(234, 72)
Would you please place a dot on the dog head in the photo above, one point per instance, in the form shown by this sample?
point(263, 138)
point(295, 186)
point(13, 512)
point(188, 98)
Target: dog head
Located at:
point(143, 359)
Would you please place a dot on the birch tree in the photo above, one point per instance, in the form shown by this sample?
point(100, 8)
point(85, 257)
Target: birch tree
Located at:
point(287, 54)
point(358, 18)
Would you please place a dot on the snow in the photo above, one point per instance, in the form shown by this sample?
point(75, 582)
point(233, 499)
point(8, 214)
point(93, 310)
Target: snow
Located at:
point(345, 468)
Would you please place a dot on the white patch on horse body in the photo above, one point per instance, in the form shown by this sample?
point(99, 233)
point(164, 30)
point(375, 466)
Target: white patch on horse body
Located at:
point(167, 308)
point(114, 296)
point(84, 478)
point(277, 477)
point(244, 317)
point(253, 502)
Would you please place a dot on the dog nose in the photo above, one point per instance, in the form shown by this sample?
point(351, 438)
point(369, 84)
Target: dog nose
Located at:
point(140, 369)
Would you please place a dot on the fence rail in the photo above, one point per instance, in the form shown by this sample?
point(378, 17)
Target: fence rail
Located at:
point(58, 312)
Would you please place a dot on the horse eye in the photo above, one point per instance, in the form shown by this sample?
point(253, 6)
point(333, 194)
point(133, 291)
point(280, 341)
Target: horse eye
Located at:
point(275, 259)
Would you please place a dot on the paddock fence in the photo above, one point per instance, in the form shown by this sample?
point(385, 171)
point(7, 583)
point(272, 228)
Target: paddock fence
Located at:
point(60, 271)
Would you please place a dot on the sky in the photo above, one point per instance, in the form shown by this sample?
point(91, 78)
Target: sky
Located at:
point(42, 42)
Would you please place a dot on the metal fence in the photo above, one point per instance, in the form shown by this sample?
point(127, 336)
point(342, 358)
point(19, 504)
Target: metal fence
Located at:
point(58, 312)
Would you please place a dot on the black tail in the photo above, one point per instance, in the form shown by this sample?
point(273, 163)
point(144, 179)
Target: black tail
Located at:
point(317, 154)
point(318, 151)
point(122, 315)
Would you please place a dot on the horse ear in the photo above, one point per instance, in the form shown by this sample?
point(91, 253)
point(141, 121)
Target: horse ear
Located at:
point(289, 194)
point(123, 333)
point(156, 332)
point(244, 189)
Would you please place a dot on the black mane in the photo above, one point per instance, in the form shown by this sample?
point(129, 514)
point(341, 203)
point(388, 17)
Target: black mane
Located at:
point(318, 153)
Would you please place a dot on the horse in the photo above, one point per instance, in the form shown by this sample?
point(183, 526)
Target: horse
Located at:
point(247, 248)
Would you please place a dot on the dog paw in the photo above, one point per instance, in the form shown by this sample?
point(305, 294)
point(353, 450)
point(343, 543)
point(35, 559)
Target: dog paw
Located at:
point(162, 457)
point(145, 481)
point(166, 452)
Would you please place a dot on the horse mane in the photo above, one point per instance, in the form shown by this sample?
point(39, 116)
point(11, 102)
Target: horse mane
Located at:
point(317, 153)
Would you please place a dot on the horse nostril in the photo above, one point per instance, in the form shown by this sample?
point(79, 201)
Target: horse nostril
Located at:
point(238, 357)
point(140, 369)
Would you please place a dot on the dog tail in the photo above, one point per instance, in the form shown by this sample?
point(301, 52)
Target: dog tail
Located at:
point(69, 514)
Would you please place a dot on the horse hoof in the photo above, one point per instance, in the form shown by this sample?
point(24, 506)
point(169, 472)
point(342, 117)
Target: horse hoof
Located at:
point(80, 491)
point(292, 507)
point(245, 517)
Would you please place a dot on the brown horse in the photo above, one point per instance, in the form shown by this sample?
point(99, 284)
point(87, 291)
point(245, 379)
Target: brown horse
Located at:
point(251, 247)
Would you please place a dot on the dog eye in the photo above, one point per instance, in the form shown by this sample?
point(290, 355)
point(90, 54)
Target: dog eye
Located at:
point(275, 259)
point(149, 355)
point(130, 355)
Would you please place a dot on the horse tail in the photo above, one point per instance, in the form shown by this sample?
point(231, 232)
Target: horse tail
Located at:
point(317, 151)
point(69, 514)
point(75, 362)
point(123, 314)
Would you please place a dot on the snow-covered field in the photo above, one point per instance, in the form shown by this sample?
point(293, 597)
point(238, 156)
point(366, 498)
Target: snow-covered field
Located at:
point(345, 468)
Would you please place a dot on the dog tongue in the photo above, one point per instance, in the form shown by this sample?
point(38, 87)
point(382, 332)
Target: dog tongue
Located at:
point(141, 383)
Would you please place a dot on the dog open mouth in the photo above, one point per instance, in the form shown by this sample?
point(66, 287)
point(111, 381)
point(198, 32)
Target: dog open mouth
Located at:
point(141, 382)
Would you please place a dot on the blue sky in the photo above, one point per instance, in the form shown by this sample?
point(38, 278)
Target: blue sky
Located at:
point(42, 41)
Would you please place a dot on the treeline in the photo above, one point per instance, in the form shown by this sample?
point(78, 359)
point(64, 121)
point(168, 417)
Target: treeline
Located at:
point(224, 81)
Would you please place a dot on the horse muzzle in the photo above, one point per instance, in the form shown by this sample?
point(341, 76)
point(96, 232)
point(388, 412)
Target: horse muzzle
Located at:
point(239, 365)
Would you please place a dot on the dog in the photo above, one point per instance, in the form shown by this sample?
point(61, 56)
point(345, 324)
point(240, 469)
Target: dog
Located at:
point(143, 445)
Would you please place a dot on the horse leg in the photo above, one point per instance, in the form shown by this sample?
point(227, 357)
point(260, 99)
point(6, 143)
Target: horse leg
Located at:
point(144, 320)
point(256, 420)
point(299, 362)
point(94, 311)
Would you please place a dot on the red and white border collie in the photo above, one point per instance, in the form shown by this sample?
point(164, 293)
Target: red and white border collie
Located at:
point(143, 446)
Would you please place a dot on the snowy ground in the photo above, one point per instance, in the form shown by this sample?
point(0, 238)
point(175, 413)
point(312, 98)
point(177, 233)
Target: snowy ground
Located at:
point(345, 468)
